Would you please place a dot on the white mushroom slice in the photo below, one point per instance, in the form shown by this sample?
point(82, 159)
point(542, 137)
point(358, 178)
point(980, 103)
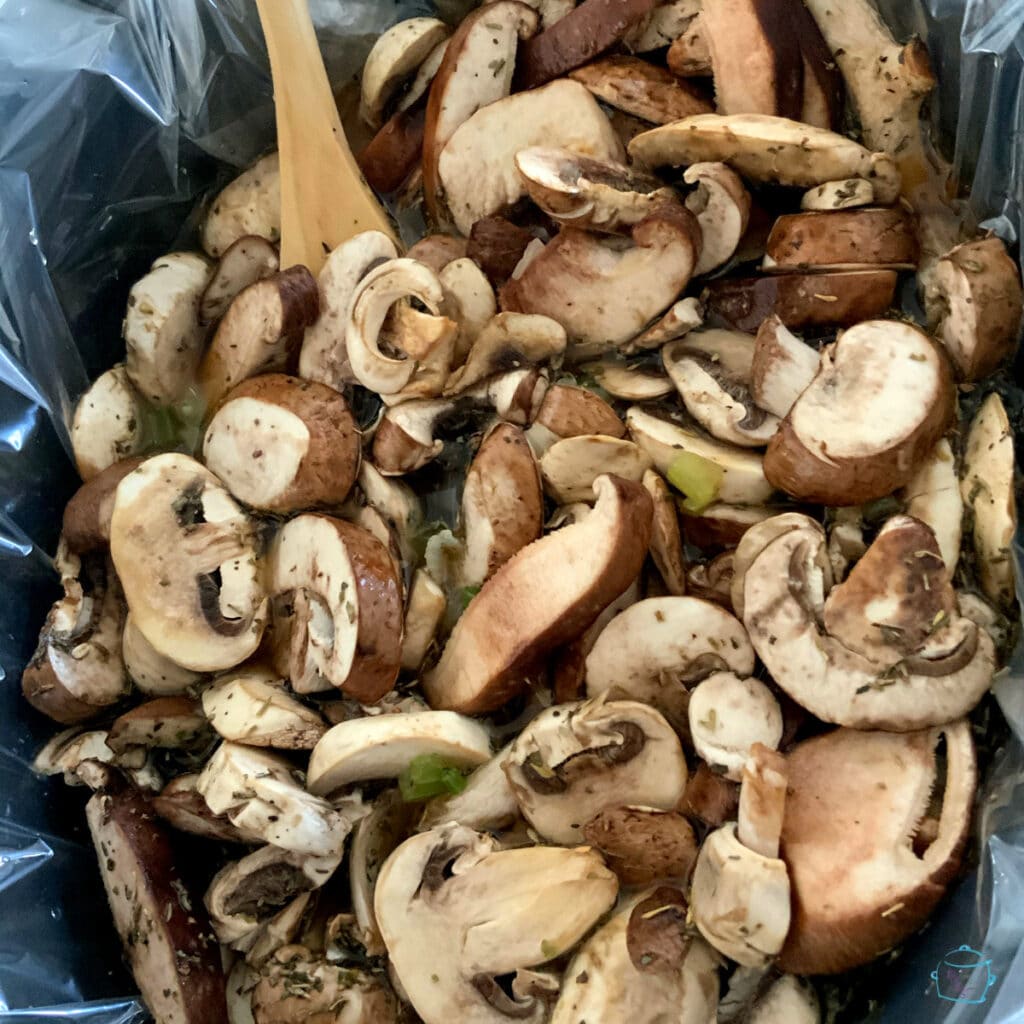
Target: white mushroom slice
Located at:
point(249, 205)
point(582, 192)
point(404, 438)
point(769, 149)
point(244, 262)
point(666, 540)
point(383, 747)
point(933, 496)
point(107, 425)
point(162, 333)
point(487, 803)
point(882, 398)
point(149, 670)
point(604, 294)
point(344, 620)
point(181, 805)
point(570, 467)
point(260, 792)
point(423, 79)
point(630, 383)
point(987, 486)
point(789, 1000)
point(572, 412)
point(278, 932)
point(652, 650)
point(574, 760)
point(783, 367)
point(423, 614)
point(66, 753)
point(186, 555)
point(394, 57)
point(721, 204)
point(743, 480)
point(324, 356)
point(516, 397)
point(847, 194)
point(253, 707)
point(784, 599)
point(662, 26)
point(469, 300)
point(728, 715)
point(170, 723)
point(602, 982)
point(686, 315)
point(477, 168)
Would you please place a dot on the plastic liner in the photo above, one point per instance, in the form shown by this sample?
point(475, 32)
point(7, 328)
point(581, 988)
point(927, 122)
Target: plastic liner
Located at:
point(116, 117)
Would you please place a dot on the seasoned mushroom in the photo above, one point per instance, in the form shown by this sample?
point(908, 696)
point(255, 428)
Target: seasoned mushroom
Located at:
point(639, 383)
point(755, 539)
point(662, 26)
point(424, 610)
point(437, 251)
point(484, 913)
point(244, 262)
point(170, 723)
point(487, 803)
point(186, 555)
point(575, 760)
point(847, 194)
point(933, 496)
point(782, 369)
point(570, 466)
point(721, 204)
point(882, 398)
point(338, 605)
point(181, 805)
point(390, 162)
point(86, 524)
point(683, 317)
point(282, 444)
point(107, 426)
point(666, 540)
point(572, 412)
point(712, 581)
point(509, 627)
point(162, 332)
point(642, 845)
point(689, 56)
point(149, 670)
point(249, 205)
point(721, 525)
point(469, 300)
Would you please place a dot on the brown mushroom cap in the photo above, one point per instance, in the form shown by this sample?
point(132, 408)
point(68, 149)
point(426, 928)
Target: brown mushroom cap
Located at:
point(642, 845)
point(87, 515)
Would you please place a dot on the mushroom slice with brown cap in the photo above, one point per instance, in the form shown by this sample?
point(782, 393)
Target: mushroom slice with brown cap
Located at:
point(484, 912)
point(487, 803)
point(417, 88)
point(875, 829)
point(604, 983)
point(282, 444)
point(847, 194)
point(324, 355)
point(756, 538)
point(162, 332)
point(181, 805)
point(882, 398)
point(477, 167)
point(186, 555)
point(987, 486)
point(249, 205)
point(170, 723)
point(721, 525)
point(586, 193)
point(666, 540)
point(470, 301)
point(107, 425)
point(982, 305)
point(382, 747)
point(510, 627)
point(783, 367)
point(150, 671)
point(396, 502)
point(428, 341)
point(438, 250)
point(572, 412)
point(76, 671)
point(241, 981)
point(933, 496)
point(712, 581)
point(162, 924)
point(686, 315)
point(570, 466)
point(244, 262)
point(86, 524)
point(252, 706)
point(652, 650)
point(575, 760)
point(721, 204)
point(404, 441)
point(767, 149)
point(604, 294)
point(639, 383)
point(260, 331)
point(939, 678)
point(260, 792)
point(642, 845)
point(345, 625)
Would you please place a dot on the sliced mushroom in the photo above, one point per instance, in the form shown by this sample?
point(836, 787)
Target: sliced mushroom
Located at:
point(171, 723)
point(982, 302)
point(469, 300)
point(497, 245)
point(683, 317)
point(551, 11)
point(882, 398)
point(510, 626)
point(246, 261)
point(423, 79)
point(261, 330)
point(641, 89)
point(241, 981)
point(249, 205)
point(391, 161)
point(721, 204)
point(570, 467)
point(181, 805)
point(847, 194)
point(344, 618)
point(82, 758)
point(712, 581)
point(423, 614)
point(438, 250)
point(107, 425)
point(477, 168)
point(642, 845)
point(783, 367)
point(86, 524)
point(161, 922)
point(487, 803)
point(933, 496)
point(150, 671)
point(396, 502)
point(162, 332)
point(721, 525)
point(639, 383)
point(666, 540)
point(605, 295)
point(710, 797)
point(689, 56)
point(429, 342)
point(918, 674)
point(768, 149)
point(662, 26)
point(575, 760)
point(510, 909)
point(987, 486)
point(875, 829)
point(762, 805)
point(404, 439)
point(186, 555)
point(572, 412)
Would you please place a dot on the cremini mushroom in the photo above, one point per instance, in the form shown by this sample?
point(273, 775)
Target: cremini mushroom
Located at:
point(630, 382)
point(469, 300)
point(681, 318)
point(712, 581)
point(666, 540)
point(569, 411)
point(721, 525)
point(933, 495)
point(246, 261)
point(107, 426)
point(169, 723)
point(86, 524)
point(151, 671)
point(782, 369)
point(642, 845)
point(721, 204)
point(662, 26)
point(689, 56)
point(570, 466)
point(249, 205)
point(183, 807)
point(423, 613)
point(847, 194)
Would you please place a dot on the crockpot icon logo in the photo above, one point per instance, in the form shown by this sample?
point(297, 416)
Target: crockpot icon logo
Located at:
point(964, 976)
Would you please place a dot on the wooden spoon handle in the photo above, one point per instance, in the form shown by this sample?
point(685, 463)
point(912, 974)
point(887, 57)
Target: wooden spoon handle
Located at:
point(324, 199)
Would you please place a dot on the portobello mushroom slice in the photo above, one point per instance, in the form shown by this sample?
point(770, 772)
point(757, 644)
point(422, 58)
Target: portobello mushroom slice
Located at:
point(249, 205)
point(107, 425)
point(782, 369)
point(244, 262)
point(642, 845)
point(186, 555)
point(150, 671)
point(570, 466)
point(281, 444)
point(182, 806)
point(507, 630)
point(160, 919)
point(882, 398)
point(485, 913)
point(86, 524)
point(169, 723)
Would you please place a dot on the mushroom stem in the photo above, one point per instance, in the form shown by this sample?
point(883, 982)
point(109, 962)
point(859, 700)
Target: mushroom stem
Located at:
point(762, 801)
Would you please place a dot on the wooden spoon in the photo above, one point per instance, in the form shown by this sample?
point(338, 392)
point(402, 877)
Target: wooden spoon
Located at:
point(324, 199)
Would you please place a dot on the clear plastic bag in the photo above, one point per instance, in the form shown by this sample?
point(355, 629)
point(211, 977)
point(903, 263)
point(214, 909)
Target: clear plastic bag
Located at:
point(117, 116)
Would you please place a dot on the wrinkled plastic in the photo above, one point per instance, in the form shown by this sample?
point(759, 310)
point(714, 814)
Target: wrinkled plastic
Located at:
point(116, 117)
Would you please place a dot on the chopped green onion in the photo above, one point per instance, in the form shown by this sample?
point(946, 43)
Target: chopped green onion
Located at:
point(468, 593)
point(427, 776)
point(699, 479)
